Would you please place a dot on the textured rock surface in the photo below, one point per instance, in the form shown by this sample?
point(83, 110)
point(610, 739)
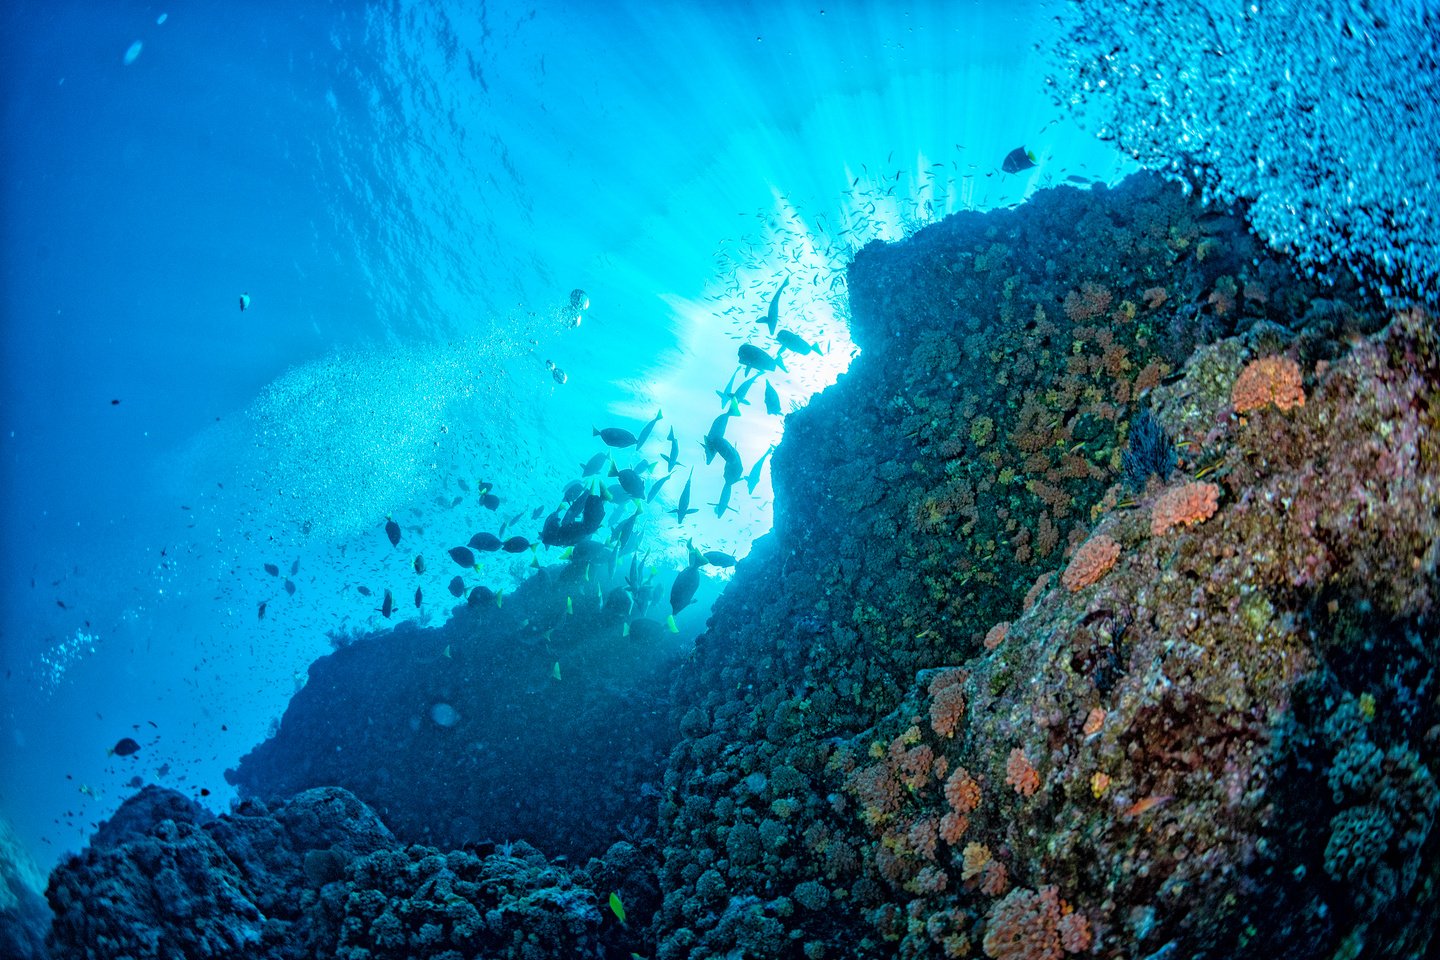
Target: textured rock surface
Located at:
point(861, 776)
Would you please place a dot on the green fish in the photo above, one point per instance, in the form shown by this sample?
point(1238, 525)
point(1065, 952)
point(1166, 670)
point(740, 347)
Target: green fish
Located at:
point(617, 907)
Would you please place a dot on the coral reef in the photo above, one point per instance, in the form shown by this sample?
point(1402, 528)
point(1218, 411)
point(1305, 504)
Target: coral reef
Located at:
point(474, 710)
point(896, 702)
point(320, 876)
point(989, 689)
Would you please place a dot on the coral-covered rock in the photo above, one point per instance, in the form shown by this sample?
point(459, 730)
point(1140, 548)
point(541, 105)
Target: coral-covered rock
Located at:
point(1268, 380)
point(1092, 560)
point(1183, 506)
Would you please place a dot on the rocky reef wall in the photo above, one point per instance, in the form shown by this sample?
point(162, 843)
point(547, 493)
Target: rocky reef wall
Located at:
point(1097, 620)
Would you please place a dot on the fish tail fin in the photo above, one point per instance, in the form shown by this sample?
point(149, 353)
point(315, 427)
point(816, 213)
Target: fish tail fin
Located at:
point(670, 624)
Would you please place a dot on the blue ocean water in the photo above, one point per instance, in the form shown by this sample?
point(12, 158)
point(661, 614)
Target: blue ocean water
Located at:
point(407, 194)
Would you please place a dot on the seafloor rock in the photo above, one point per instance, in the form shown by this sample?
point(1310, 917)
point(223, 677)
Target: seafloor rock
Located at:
point(878, 762)
point(537, 718)
point(24, 917)
point(320, 876)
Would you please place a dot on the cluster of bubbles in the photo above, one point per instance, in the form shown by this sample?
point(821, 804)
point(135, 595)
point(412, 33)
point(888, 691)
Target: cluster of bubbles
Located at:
point(57, 659)
point(1322, 116)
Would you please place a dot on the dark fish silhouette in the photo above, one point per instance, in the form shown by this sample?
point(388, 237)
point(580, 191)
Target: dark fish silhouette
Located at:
point(392, 530)
point(483, 541)
point(462, 556)
point(290, 586)
point(260, 613)
point(645, 430)
point(682, 591)
point(417, 597)
point(614, 436)
point(772, 316)
point(271, 569)
point(388, 606)
point(753, 358)
point(1017, 160)
point(772, 400)
point(515, 545)
point(682, 509)
point(795, 343)
point(630, 482)
point(674, 459)
point(364, 591)
point(124, 748)
point(419, 563)
point(457, 586)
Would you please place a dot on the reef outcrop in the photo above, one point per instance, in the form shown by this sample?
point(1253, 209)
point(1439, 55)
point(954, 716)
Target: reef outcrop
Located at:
point(1003, 683)
point(318, 876)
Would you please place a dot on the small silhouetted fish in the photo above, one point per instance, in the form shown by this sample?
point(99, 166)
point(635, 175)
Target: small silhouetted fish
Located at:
point(417, 596)
point(772, 400)
point(114, 403)
point(655, 487)
point(364, 591)
point(772, 316)
point(260, 613)
point(592, 466)
point(419, 563)
point(135, 783)
point(515, 545)
point(388, 606)
point(682, 591)
point(645, 430)
point(753, 477)
point(630, 482)
point(290, 586)
point(753, 358)
point(490, 502)
point(614, 436)
point(537, 513)
point(124, 748)
point(795, 343)
point(271, 569)
point(462, 556)
point(487, 542)
point(717, 559)
point(244, 299)
point(295, 567)
point(392, 530)
point(674, 458)
point(1017, 160)
point(1074, 178)
point(479, 595)
point(682, 509)
point(457, 586)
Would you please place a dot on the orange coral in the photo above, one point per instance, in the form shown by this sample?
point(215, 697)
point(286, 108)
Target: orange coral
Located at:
point(1025, 926)
point(1268, 380)
point(996, 634)
point(975, 857)
point(924, 837)
point(1184, 505)
point(953, 826)
point(1154, 297)
point(946, 710)
point(1094, 720)
point(1091, 562)
point(1021, 774)
point(1088, 302)
point(994, 881)
point(961, 791)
